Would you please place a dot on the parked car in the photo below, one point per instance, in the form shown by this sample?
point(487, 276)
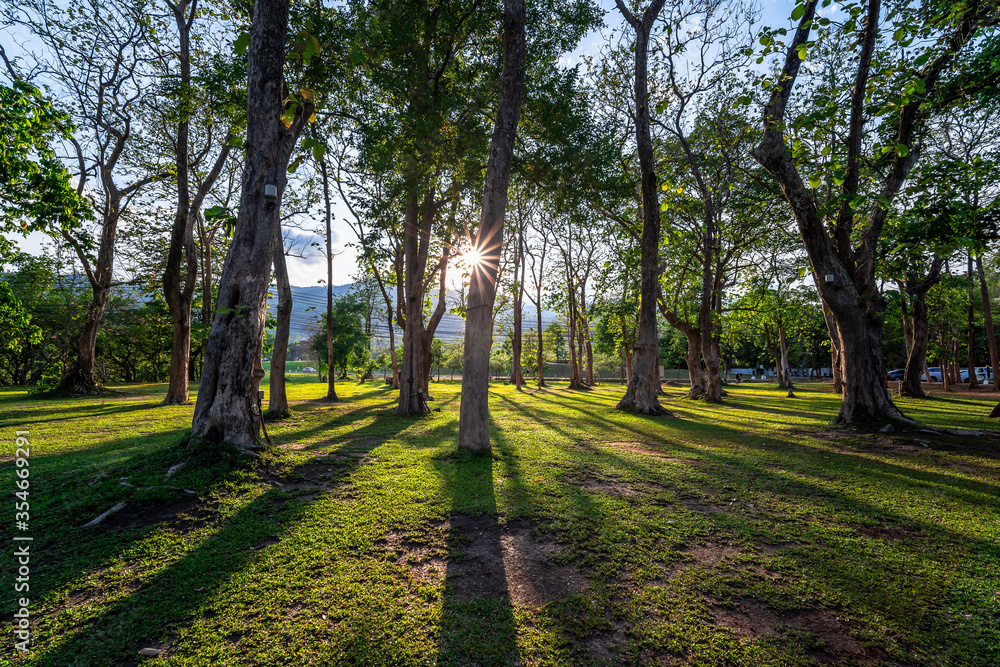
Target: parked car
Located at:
point(308, 369)
point(935, 372)
point(984, 374)
point(896, 374)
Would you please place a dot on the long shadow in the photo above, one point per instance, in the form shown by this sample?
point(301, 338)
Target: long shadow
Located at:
point(167, 601)
point(837, 502)
point(41, 415)
point(477, 616)
point(852, 559)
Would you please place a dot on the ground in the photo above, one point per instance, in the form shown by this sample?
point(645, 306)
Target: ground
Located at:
point(748, 533)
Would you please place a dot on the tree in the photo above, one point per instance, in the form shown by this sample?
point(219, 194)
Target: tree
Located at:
point(350, 342)
point(95, 55)
point(709, 146)
point(226, 407)
point(473, 426)
point(178, 288)
point(641, 393)
point(841, 225)
point(277, 405)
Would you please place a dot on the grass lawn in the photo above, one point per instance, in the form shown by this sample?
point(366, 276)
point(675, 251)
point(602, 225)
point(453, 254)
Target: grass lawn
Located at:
point(747, 533)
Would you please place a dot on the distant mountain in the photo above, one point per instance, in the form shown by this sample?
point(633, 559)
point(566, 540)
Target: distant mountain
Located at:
point(309, 302)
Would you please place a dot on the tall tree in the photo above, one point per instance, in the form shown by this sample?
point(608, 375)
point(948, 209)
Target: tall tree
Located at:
point(473, 426)
point(180, 275)
point(95, 54)
point(226, 407)
point(841, 233)
point(644, 385)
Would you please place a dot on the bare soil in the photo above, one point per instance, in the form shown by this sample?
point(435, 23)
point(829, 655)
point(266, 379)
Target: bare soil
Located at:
point(482, 558)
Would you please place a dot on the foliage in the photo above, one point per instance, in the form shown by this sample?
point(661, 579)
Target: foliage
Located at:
point(350, 342)
point(36, 189)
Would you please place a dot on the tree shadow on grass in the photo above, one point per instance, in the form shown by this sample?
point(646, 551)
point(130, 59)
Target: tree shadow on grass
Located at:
point(845, 541)
point(19, 418)
point(477, 617)
point(165, 602)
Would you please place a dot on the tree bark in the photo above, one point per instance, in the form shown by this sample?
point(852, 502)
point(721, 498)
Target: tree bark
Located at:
point(971, 324)
point(331, 373)
point(786, 370)
point(225, 410)
point(991, 339)
point(916, 293)
point(277, 402)
point(473, 426)
point(416, 239)
point(517, 373)
point(644, 386)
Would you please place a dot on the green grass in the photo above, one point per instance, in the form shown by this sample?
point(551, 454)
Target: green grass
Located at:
point(747, 533)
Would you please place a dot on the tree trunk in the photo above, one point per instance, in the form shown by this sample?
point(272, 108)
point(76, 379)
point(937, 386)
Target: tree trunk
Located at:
point(517, 374)
point(991, 339)
point(427, 337)
point(179, 297)
point(224, 411)
point(541, 343)
point(865, 395)
point(277, 403)
point(586, 349)
point(971, 324)
point(416, 238)
point(696, 375)
point(473, 427)
point(643, 388)
point(392, 347)
point(331, 372)
point(916, 292)
point(786, 370)
point(905, 311)
point(80, 378)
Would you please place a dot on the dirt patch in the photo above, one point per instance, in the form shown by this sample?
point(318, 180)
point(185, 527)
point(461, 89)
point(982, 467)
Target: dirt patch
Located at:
point(750, 618)
point(482, 558)
point(637, 447)
point(606, 647)
point(703, 507)
point(131, 517)
point(774, 549)
point(321, 473)
point(688, 462)
point(710, 554)
point(611, 486)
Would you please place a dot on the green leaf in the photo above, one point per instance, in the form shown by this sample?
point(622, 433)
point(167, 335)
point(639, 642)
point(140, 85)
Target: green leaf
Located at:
point(815, 180)
point(242, 43)
point(902, 150)
point(802, 49)
point(798, 12)
point(899, 35)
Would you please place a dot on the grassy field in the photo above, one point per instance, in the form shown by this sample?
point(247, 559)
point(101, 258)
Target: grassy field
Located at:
point(748, 533)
